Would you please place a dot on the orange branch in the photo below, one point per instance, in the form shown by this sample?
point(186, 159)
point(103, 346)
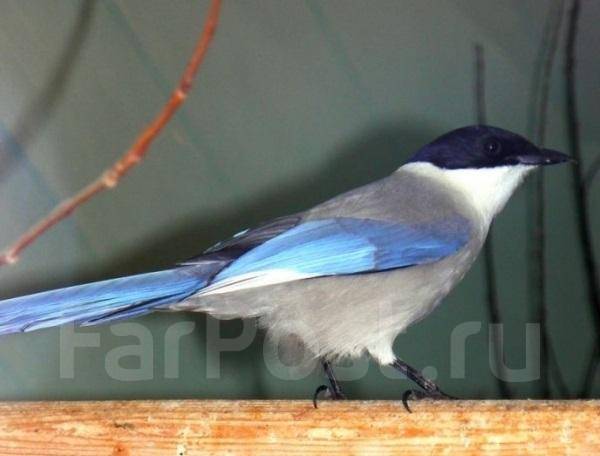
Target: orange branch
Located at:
point(111, 177)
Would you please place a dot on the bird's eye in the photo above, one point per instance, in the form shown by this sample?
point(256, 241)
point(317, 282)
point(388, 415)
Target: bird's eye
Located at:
point(492, 147)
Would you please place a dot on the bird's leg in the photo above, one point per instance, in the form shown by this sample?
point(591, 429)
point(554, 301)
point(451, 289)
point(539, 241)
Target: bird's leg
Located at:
point(430, 389)
point(334, 389)
point(334, 386)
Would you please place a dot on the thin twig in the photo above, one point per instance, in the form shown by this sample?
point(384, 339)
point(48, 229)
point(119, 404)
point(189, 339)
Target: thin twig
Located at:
point(539, 312)
point(479, 88)
point(488, 255)
point(592, 172)
point(111, 177)
point(581, 194)
point(591, 371)
point(551, 45)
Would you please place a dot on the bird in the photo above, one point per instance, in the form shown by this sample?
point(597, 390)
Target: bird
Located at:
point(341, 279)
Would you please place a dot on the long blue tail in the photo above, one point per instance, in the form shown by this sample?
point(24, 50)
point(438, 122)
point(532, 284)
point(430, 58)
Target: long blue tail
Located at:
point(101, 302)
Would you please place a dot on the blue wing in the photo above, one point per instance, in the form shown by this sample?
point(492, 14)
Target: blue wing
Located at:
point(283, 250)
point(128, 297)
point(340, 246)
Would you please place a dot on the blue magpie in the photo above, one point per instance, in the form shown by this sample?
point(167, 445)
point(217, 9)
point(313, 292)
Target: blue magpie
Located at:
point(341, 279)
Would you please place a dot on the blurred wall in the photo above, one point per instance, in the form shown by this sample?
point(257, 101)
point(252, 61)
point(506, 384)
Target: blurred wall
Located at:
point(297, 101)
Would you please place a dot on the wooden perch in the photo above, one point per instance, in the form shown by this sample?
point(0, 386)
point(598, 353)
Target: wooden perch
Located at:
point(275, 427)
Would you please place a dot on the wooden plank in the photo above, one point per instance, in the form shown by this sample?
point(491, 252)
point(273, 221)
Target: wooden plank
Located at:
point(294, 427)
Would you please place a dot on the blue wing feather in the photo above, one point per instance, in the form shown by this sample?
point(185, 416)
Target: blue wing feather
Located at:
point(98, 302)
point(313, 248)
point(347, 246)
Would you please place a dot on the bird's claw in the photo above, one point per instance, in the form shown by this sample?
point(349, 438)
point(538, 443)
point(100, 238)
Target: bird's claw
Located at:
point(330, 393)
point(416, 395)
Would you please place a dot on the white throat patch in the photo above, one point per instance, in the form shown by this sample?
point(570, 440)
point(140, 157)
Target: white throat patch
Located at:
point(488, 189)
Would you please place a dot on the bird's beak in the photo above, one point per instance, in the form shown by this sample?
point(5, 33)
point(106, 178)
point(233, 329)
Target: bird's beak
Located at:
point(543, 157)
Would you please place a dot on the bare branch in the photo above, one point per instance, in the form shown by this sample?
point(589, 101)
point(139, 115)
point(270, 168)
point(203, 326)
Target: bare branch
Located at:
point(580, 193)
point(543, 75)
point(488, 255)
point(592, 172)
point(479, 87)
point(133, 156)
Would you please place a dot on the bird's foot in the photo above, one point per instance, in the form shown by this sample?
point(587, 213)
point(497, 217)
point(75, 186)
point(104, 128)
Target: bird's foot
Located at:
point(416, 395)
point(330, 393)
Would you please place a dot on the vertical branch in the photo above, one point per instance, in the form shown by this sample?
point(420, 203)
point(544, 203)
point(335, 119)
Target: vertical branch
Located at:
point(538, 271)
point(592, 172)
point(581, 193)
point(543, 75)
point(480, 108)
point(488, 255)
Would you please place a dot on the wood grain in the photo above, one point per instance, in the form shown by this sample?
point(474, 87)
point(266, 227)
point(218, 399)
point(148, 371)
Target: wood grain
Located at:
point(294, 427)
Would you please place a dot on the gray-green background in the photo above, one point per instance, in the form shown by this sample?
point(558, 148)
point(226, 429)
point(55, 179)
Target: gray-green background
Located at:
point(297, 101)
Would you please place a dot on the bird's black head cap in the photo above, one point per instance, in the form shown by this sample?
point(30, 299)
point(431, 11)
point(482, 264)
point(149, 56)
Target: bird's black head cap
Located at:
point(482, 146)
